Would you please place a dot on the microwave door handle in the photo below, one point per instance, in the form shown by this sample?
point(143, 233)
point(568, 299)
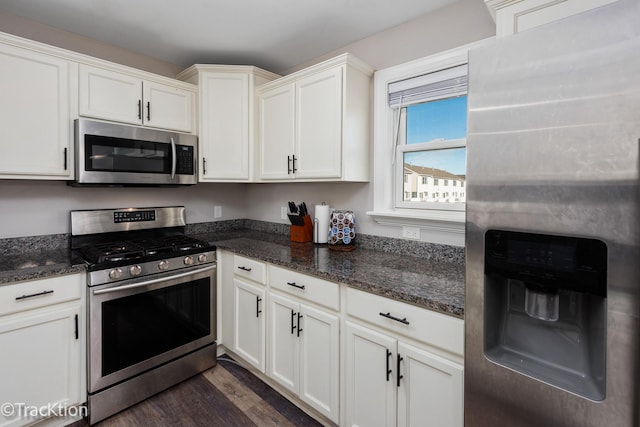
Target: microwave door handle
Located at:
point(173, 159)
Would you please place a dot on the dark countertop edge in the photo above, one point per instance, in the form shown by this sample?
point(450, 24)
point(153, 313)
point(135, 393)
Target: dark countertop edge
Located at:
point(426, 303)
point(40, 272)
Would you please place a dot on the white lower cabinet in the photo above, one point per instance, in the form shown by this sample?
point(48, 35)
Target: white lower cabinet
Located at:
point(371, 388)
point(42, 359)
point(431, 389)
point(404, 364)
point(304, 352)
point(249, 323)
point(356, 358)
point(390, 382)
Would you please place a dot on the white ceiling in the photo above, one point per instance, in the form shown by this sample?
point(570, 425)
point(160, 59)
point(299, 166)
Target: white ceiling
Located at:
point(273, 34)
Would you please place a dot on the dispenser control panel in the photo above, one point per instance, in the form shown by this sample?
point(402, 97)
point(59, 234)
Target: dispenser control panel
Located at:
point(548, 260)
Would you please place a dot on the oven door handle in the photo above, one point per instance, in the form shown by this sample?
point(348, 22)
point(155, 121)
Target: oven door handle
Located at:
point(173, 159)
point(153, 281)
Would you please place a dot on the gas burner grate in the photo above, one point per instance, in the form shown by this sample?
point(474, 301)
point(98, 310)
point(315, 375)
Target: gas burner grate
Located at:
point(109, 252)
point(113, 251)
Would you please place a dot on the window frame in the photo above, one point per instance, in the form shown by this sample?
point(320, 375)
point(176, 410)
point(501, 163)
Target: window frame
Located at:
point(444, 225)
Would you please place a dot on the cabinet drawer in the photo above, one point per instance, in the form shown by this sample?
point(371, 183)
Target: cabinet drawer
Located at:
point(250, 268)
point(40, 293)
point(308, 287)
point(430, 327)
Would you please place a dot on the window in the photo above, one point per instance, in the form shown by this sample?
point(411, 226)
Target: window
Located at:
point(413, 108)
point(431, 112)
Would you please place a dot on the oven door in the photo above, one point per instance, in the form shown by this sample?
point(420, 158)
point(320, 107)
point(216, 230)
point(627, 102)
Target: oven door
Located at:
point(139, 324)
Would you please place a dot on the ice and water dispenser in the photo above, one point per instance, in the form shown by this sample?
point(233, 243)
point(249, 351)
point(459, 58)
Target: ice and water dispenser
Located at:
point(545, 308)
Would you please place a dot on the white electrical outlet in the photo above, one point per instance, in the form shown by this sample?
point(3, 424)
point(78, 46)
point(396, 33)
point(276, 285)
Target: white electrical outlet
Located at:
point(411, 232)
point(283, 213)
point(217, 211)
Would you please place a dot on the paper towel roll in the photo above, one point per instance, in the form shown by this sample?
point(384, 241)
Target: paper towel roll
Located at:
point(321, 224)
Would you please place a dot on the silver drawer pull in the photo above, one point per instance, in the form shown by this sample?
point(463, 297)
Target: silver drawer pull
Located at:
point(397, 319)
point(295, 286)
point(39, 294)
point(242, 267)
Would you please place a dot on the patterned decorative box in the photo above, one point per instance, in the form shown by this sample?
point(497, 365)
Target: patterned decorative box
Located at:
point(342, 230)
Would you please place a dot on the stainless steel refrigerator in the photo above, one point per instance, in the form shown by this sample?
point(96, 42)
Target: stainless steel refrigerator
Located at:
point(553, 225)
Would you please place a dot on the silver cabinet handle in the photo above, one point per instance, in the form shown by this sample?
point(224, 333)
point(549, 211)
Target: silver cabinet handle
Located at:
point(39, 294)
point(173, 159)
point(153, 281)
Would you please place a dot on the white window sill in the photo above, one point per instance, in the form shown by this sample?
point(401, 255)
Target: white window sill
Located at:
point(435, 220)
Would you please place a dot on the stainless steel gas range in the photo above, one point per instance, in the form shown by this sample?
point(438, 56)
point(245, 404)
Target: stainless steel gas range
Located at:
point(151, 299)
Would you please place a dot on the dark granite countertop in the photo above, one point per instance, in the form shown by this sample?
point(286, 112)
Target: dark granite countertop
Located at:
point(433, 284)
point(37, 264)
point(429, 282)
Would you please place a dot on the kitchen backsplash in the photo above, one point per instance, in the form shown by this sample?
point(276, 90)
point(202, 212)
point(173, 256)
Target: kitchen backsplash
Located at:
point(428, 251)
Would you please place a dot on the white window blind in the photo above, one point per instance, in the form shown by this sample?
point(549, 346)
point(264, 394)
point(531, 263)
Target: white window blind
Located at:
point(440, 84)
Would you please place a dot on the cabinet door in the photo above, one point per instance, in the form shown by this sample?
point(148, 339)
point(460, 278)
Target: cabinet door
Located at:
point(319, 360)
point(40, 362)
point(105, 94)
point(370, 375)
point(168, 107)
point(283, 335)
point(224, 126)
point(319, 125)
point(431, 390)
point(34, 115)
point(276, 133)
point(249, 330)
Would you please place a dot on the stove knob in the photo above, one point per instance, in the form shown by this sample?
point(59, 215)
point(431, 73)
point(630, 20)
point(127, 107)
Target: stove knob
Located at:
point(188, 260)
point(115, 274)
point(202, 258)
point(163, 265)
point(135, 270)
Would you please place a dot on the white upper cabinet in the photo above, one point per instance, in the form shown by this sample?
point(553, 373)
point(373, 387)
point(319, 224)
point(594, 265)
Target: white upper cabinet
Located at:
point(110, 94)
point(514, 16)
point(314, 124)
point(277, 133)
point(35, 114)
point(168, 107)
point(226, 119)
point(319, 125)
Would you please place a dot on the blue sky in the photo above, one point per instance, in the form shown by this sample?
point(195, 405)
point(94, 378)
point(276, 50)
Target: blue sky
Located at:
point(444, 119)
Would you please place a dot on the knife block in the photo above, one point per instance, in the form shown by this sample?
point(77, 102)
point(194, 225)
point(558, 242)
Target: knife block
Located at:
point(302, 233)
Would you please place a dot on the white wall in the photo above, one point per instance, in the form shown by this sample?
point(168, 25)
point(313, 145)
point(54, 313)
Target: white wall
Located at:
point(33, 208)
point(461, 23)
point(39, 207)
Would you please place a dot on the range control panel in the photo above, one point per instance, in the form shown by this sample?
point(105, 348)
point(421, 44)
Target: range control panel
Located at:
point(134, 216)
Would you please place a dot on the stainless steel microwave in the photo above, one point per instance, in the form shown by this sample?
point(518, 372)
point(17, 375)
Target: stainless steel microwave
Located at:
point(115, 154)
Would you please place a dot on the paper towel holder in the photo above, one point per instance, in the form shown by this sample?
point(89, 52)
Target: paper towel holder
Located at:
point(316, 225)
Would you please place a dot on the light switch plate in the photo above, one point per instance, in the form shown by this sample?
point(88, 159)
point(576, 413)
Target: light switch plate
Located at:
point(283, 213)
point(217, 211)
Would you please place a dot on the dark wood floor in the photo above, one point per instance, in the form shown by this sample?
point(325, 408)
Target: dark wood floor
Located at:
point(226, 395)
